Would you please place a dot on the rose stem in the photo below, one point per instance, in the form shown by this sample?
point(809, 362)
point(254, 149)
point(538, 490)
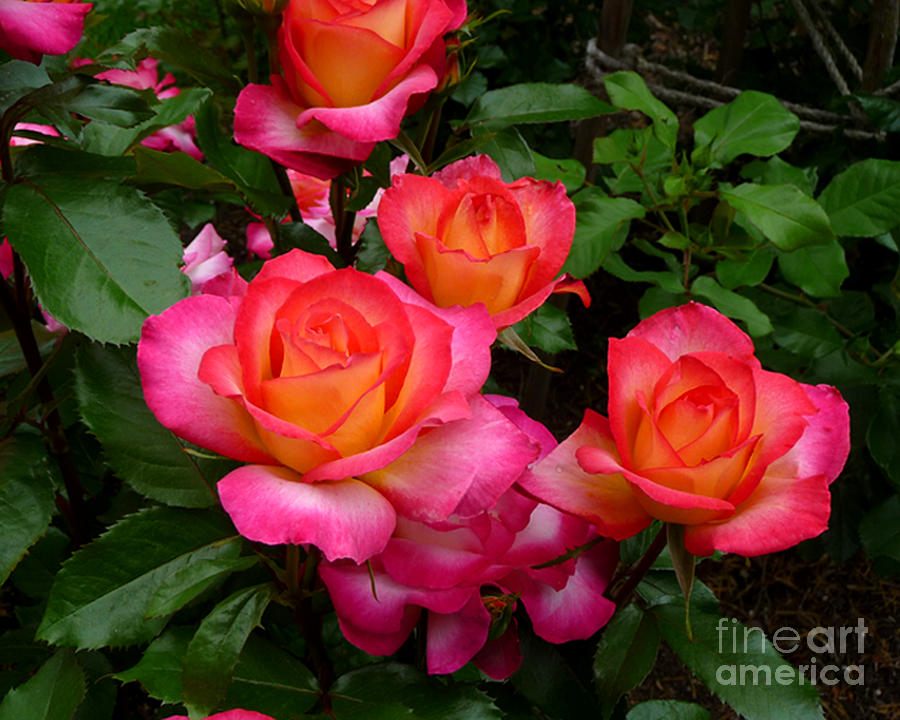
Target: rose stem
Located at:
point(640, 568)
point(343, 220)
point(19, 310)
point(309, 620)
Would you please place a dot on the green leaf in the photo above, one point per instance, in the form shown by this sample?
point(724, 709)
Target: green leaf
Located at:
point(26, 498)
point(17, 79)
point(547, 328)
point(266, 678)
point(787, 217)
point(391, 690)
point(159, 669)
point(601, 228)
point(806, 332)
point(185, 584)
point(162, 168)
point(883, 112)
point(569, 172)
point(737, 664)
point(880, 531)
point(668, 281)
point(101, 256)
point(550, 683)
point(112, 104)
point(882, 434)
point(535, 103)
point(75, 164)
point(627, 90)
point(145, 454)
point(215, 648)
point(733, 305)
point(271, 681)
point(754, 123)
point(776, 171)
point(667, 710)
point(102, 592)
point(252, 172)
point(300, 235)
point(511, 153)
point(171, 46)
point(625, 654)
point(645, 152)
point(864, 200)
point(747, 272)
point(818, 270)
point(102, 691)
point(54, 692)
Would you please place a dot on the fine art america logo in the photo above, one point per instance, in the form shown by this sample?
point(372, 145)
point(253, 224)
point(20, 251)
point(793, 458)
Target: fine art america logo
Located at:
point(821, 641)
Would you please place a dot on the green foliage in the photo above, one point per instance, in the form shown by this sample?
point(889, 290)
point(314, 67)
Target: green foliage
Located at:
point(54, 692)
point(112, 405)
point(625, 654)
point(214, 650)
point(534, 103)
point(26, 498)
point(102, 593)
point(70, 238)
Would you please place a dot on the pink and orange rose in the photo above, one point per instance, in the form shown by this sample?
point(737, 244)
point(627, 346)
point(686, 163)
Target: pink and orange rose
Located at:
point(351, 71)
point(700, 435)
point(464, 236)
point(353, 398)
point(30, 29)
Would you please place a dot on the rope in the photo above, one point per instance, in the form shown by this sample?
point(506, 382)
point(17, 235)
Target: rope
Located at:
point(599, 64)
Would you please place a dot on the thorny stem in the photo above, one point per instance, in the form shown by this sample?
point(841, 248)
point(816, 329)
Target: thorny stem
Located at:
point(18, 309)
point(284, 183)
point(301, 594)
point(343, 220)
point(639, 569)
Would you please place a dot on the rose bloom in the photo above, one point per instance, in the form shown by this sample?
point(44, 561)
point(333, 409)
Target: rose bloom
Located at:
point(468, 574)
point(32, 28)
point(464, 236)
point(146, 77)
point(353, 398)
point(351, 71)
point(700, 435)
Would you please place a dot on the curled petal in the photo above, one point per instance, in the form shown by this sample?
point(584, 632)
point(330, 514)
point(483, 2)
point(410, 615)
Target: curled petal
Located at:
point(31, 29)
point(273, 505)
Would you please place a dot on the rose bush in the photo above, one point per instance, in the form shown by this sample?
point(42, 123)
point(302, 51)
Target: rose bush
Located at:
point(32, 28)
point(700, 435)
point(468, 575)
point(354, 399)
point(351, 71)
point(464, 236)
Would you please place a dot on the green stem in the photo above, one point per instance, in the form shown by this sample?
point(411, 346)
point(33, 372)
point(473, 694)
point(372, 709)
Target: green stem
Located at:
point(806, 302)
point(284, 182)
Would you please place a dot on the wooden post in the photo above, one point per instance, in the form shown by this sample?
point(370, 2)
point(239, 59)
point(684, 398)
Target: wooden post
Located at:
point(882, 43)
point(737, 21)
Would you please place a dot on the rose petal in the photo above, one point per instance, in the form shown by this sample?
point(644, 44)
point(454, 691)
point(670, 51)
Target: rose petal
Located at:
point(169, 356)
point(604, 500)
point(30, 29)
point(272, 505)
point(454, 639)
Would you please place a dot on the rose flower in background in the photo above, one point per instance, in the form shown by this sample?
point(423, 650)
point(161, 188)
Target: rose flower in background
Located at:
point(353, 397)
point(464, 236)
point(146, 77)
point(351, 72)
point(312, 196)
point(701, 436)
point(32, 28)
